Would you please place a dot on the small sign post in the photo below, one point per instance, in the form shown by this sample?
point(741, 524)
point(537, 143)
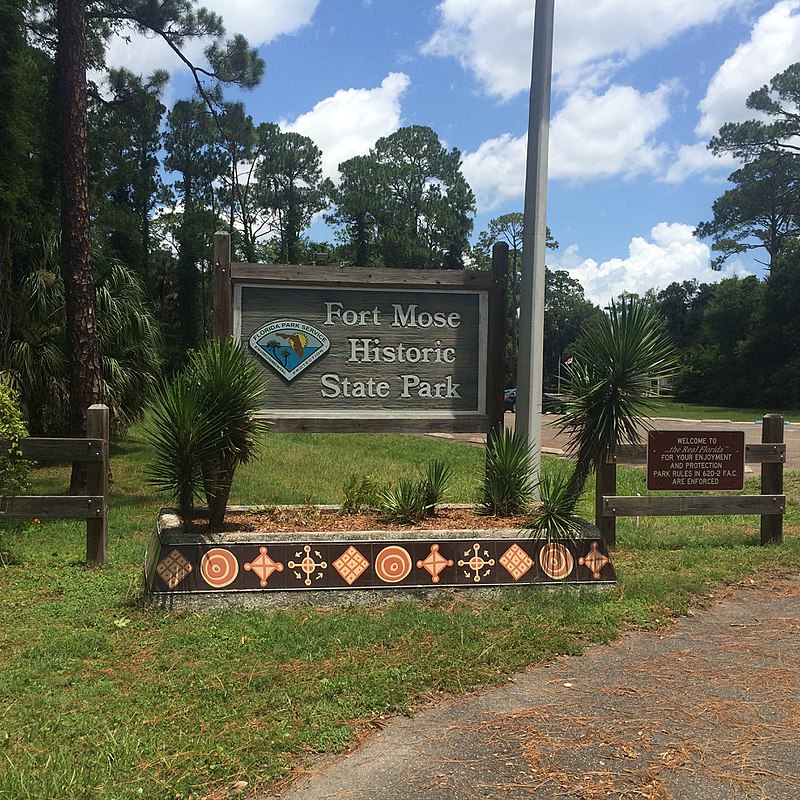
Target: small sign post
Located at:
point(695, 461)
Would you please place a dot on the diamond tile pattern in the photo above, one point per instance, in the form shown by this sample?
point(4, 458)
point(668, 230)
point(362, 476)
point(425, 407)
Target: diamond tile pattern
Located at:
point(516, 561)
point(303, 565)
point(351, 565)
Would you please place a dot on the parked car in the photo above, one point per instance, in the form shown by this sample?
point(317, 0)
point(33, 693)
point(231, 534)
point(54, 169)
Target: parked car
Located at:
point(550, 405)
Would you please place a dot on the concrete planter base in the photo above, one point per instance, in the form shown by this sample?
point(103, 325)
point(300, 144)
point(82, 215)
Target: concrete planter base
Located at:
point(276, 570)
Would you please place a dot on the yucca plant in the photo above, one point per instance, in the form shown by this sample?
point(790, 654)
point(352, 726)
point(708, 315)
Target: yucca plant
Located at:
point(231, 385)
point(434, 485)
point(553, 518)
point(608, 384)
point(508, 486)
point(404, 504)
point(182, 430)
point(202, 426)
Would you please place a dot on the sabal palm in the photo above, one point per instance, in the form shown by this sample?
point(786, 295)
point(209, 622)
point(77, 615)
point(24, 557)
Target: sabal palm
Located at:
point(129, 340)
point(608, 385)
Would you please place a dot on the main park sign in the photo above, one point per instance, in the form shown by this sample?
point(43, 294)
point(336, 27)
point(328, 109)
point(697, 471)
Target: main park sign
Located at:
point(360, 349)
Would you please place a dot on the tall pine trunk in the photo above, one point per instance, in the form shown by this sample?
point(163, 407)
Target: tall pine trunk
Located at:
point(83, 340)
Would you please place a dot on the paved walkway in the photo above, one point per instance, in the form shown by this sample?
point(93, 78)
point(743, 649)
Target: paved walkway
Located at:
point(706, 709)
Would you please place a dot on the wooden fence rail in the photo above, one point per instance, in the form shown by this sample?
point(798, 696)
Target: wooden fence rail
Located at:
point(93, 506)
point(770, 504)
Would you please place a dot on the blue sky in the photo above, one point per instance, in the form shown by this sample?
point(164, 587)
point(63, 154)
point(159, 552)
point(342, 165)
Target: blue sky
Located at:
point(639, 86)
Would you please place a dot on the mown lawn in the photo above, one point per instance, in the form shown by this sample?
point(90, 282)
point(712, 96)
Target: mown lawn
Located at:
point(102, 697)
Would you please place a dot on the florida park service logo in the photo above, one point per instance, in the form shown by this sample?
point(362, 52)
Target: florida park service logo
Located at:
point(289, 346)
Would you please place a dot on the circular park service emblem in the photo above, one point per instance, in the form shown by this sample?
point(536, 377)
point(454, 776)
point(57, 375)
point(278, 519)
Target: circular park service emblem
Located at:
point(289, 346)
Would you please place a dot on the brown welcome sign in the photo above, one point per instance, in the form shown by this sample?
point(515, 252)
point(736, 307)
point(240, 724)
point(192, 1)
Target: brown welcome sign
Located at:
point(695, 460)
point(357, 349)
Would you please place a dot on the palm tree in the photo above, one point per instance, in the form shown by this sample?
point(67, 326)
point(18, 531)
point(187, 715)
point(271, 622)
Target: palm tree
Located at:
point(129, 341)
point(608, 385)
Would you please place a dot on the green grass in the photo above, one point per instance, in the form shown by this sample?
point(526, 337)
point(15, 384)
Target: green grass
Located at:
point(665, 407)
point(101, 697)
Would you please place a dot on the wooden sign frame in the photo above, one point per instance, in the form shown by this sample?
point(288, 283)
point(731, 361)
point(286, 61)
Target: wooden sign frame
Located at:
point(460, 387)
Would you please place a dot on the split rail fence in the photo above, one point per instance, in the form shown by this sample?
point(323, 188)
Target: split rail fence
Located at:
point(770, 504)
point(93, 506)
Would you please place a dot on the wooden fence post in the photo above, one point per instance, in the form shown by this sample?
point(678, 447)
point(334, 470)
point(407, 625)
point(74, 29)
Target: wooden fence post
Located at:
point(772, 480)
point(605, 484)
point(496, 335)
point(97, 484)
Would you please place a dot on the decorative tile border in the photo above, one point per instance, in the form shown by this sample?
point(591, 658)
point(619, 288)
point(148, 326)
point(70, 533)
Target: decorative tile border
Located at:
point(325, 564)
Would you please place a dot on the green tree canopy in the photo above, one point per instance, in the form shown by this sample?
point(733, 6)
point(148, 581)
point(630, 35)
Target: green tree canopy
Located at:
point(405, 204)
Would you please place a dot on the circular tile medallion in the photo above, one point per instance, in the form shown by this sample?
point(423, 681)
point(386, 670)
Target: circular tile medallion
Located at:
point(556, 561)
point(219, 567)
point(393, 564)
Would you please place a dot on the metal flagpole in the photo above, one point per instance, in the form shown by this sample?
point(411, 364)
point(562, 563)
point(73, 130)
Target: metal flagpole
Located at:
point(534, 236)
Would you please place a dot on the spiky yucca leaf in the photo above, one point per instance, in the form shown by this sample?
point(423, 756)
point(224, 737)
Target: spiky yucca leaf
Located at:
point(182, 431)
point(608, 384)
point(405, 504)
point(434, 485)
point(508, 486)
point(554, 516)
point(232, 386)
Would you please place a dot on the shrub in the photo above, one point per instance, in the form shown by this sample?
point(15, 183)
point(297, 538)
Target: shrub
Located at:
point(202, 426)
point(508, 486)
point(361, 494)
point(13, 469)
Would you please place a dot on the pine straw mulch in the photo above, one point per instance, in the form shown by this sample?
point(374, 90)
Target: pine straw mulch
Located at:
point(718, 718)
point(288, 519)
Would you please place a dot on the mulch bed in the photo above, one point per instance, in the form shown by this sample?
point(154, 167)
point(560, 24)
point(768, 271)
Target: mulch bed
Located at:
point(284, 519)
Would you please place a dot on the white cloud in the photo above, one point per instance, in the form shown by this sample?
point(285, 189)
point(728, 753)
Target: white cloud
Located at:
point(352, 120)
point(592, 136)
point(261, 21)
point(496, 171)
point(671, 253)
point(772, 46)
point(492, 38)
point(697, 159)
point(608, 135)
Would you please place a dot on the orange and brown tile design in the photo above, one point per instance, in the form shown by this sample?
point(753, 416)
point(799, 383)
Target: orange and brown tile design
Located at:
point(378, 564)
